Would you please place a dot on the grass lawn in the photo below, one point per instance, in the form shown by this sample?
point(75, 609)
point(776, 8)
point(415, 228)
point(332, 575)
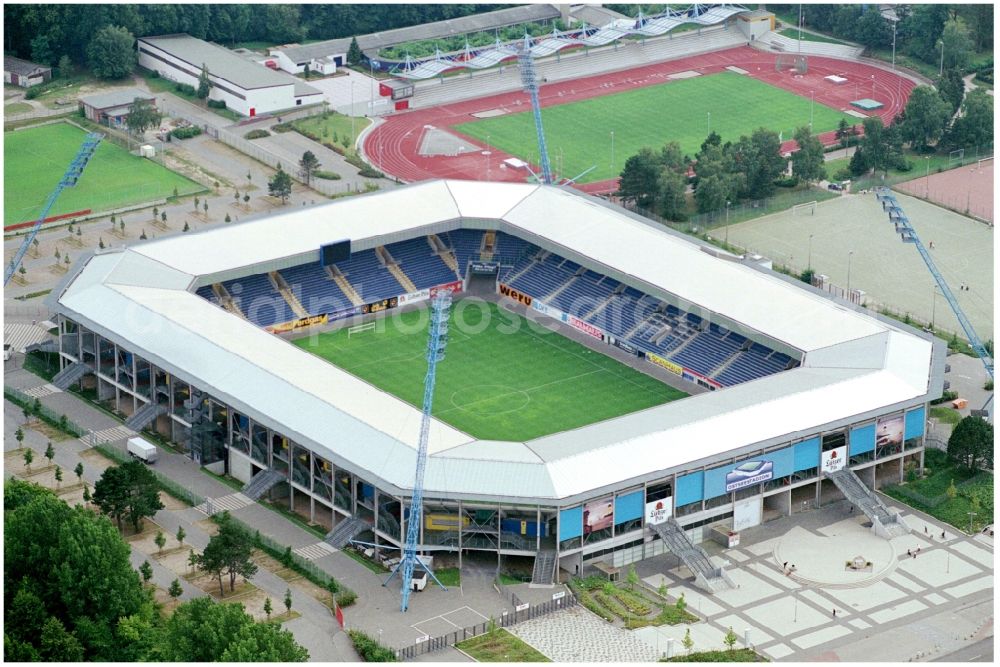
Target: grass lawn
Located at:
point(501, 379)
point(725, 655)
point(333, 123)
point(16, 108)
point(448, 576)
point(945, 414)
point(793, 33)
point(579, 133)
point(35, 160)
point(500, 646)
point(930, 493)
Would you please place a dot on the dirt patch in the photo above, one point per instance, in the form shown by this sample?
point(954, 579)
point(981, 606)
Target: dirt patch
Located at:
point(50, 432)
point(210, 584)
point(142, 540)
point(176, 560)
point(72, 496)
point(171, 503)
point(168, 603)
point(95, 460)
point(313, 591)
point(208, 526)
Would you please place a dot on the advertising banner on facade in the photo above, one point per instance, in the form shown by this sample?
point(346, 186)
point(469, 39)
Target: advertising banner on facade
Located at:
point(300, 323)
point(598, 515)
point(664, 363)
point(511, 293)
point(620, 344)
point(834, 460)
point(585, 327)
point(749, 474)
point(484, 267)
point(546, 310)
point(343, 314)
point(446, 287)
point(414, 297)
point(702, 380)
point(658, 511)
point(889, 431)
point(746, 514)
point(380, 305)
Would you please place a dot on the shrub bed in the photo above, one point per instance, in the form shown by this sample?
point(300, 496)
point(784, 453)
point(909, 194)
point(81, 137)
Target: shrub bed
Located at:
point(257, 134)
point(369, 649)
point(327, 175)
point(186, 132)
point(636, 604)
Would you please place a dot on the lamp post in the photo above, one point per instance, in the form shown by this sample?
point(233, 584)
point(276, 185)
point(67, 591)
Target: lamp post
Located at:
point(727, 224)
point(971, 514)
point(941, 68)
point(612, 149)
point(933, 305)
point(927, 177)
point(849, 256)
point(812, 103)
point(353, 113)
point(809, 261)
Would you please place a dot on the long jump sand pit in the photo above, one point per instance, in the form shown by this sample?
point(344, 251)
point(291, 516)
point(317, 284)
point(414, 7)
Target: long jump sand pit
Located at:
point(967, 189)
point(889, 271)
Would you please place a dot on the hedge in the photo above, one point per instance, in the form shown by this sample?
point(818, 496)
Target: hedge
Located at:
point(327, 175)
point(257, 134)
point(369, 649)
point(186, 132)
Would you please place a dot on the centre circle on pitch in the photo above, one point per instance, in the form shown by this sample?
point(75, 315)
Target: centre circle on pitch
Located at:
point(490, 399)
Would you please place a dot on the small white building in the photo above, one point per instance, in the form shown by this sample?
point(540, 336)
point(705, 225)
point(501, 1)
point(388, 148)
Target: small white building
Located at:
point(293, 58)
point(246, 87)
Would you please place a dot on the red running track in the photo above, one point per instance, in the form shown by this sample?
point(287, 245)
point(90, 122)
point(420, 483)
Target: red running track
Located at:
point(394, 145)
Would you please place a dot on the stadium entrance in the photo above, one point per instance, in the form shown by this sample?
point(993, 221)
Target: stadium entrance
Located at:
point(481, 278)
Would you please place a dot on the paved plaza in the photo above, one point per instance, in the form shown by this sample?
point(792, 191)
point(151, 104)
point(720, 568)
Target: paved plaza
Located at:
point(576, 635)
point(823, 610)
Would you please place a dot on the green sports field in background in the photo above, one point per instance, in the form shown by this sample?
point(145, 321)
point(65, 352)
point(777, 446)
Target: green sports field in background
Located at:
point(35, 160)
point(579, 133)
point(494, 384)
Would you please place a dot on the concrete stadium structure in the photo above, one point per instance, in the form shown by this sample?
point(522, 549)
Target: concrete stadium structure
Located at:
point(243, 400)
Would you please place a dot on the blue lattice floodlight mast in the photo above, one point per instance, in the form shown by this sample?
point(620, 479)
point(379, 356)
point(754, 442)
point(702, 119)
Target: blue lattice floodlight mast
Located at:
point(68, 180)
point(530, 83)
point(909, 235)
point(438, 339)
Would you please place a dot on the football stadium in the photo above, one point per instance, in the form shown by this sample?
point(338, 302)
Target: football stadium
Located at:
point(610, 389)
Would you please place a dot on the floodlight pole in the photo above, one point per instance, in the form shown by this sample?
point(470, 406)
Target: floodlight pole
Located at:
point(809, 261)
point(849, 256)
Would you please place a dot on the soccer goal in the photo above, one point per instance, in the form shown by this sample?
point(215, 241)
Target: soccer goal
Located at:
point(985, 162)
point(359, 329)
point(956, 157)
point(793, 62)
point(803, 209)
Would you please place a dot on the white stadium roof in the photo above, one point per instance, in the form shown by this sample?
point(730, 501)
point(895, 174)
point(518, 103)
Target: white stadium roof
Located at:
point(141, 297)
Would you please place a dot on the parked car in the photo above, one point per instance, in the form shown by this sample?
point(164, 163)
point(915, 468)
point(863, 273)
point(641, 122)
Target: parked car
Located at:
point(835, 186)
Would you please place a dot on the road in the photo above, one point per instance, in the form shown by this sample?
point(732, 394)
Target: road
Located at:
point(981, 651)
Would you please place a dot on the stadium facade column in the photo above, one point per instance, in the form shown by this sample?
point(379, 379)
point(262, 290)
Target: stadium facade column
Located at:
point(538, 528)
point(461, 515)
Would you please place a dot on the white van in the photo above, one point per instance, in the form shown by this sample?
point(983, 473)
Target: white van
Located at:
point(142, 450)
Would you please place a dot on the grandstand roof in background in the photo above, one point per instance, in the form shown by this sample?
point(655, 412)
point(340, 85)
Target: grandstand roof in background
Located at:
point(141, 297)
point(450, 27)
point(596, 15)
point(222, 62)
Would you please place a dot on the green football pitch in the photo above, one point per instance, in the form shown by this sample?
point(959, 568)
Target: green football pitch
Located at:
point(500, 379)
point(35, 160)
point(579, 133)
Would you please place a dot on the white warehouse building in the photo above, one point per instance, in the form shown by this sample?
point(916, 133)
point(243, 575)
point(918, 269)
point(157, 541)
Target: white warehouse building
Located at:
point(246, 87)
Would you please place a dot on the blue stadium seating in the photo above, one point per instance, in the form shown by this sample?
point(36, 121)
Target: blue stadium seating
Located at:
point(638, 318)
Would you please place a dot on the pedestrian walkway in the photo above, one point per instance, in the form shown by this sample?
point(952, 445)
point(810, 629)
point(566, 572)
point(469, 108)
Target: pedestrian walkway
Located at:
point(229, 503)
point(315, 551)
point(112, 434)
point(44, 390)
point(577, 635)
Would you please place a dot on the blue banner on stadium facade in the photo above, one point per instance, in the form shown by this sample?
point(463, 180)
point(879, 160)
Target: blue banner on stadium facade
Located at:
point(343, 313)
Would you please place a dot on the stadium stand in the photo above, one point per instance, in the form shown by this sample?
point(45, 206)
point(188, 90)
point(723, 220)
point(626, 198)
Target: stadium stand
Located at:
point(643, 321)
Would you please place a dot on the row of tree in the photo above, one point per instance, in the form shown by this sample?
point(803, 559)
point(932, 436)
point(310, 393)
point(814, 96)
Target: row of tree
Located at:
point(922, 30)
point(723, 173)
point(44, 33)
point(71, 594)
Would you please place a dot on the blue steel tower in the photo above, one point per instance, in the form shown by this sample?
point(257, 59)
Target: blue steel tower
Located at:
point(69, 179)
point(440, 310)
point(530, 83)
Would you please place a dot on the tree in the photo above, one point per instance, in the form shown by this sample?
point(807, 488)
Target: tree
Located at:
point(160, 540)
point(873, 30)
point(65, 67)
point(308, 165)
point(971, 443)
point(975, 126)
point(200, 630)
point(50, 452)
point(288, 600)
point(957, 44)
point(672, 187)
point(951, 88)
point(175, 589)
point(640, 178)
point(354, 54)
point(146, 570)
point(204, 207)
point(758, 161)
point(181, 535)
point(951, 491)
point(204, 85)
point(58, 645)
point(632, 578)
point(41, 50)
point(228, 552)
point(305, 71)
point(192, 559)
point(807, 161)
point(86, 493)
point(129, 491)
point(100, 242)
point(111, 53)
point(246, 199)
point(730, 639)
point(926, 117)
point(187, 227)
point(268, 608)
point(662, 590)
point(196, 202)
point(19, 436)
point(687, 642)
point(264, 642)
point(681, 603)
point(280, 185)
point(228, 219)
point(58, 476)
point(26, 615)
point(142, 115)
point(923, 28)
point(163, 217)
point(881, 146)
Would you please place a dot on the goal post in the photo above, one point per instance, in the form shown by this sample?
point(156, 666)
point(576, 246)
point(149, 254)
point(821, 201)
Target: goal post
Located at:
point(984, 162)
point(360, 328)
point(802, 209)
point(794, 62)
point(956, 156)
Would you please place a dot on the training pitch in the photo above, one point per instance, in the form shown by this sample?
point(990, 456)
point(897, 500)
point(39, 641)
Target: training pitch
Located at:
point(501, 379)
point(36, 159)
point(578, 134)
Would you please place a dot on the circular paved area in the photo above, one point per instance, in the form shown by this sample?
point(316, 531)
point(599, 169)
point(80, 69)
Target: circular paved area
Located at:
point(822, 559)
